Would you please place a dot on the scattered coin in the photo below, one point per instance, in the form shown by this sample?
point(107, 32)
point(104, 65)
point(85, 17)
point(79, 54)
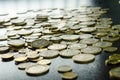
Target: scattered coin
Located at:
point(115, 73)
point(37, 69)
point(7, 56)
point(44, 62)
point(57, 46)
point(70, 37)
point(3, 49)
point(89, 41)
point(20, 59)
point(110, 49)
point(64, 68)
point(69, 75)
point(83, 58)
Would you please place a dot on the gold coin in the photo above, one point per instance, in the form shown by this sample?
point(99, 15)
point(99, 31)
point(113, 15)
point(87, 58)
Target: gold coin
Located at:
point(20, 59)
point(69, 75)
point(64, 68)
point(110, 49)
point(57, 46)
point(115, 73)
point(7, 56)
point(44, 62)
point(83, 58)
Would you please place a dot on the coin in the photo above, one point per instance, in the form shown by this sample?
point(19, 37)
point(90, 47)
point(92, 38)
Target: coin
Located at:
point(91, 50)
point(103, 44)
point(37, 59)
point(33, 56)
point(88, 29)
point(20, 59)
point(2, 38)
point(69, 52)
point(83, 58)
point(40, 43)
point(49, 53)
point(44, 62)
point(25, 65)
point(57, 46)
point(4, 49)
point(37, 69)
point(69, 75)
point(16, 43)
point(64, 68)
point(115, 73)
point(77, 46)
point(25, 32)
point(19, 55)
point(89, 41)
point(110, 49)
point(70, 37)
point(7, 56)
point(84, 36)
point(18, 22)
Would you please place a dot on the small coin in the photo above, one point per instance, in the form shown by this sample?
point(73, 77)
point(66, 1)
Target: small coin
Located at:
point(37, 59)
point(44, 62)
point(49, 53)
point(25, 65)
point(77, 46)
point(57, 46)
point(19, 55)
point(89, 41)
point(40, 50)
point(7, 56)
point(16, 43)
point(69, 52)
point(103, 44)
point(2, 38)
point(20, 59)
point(64, 68)
point(83, 58)
point(115, 73)
point(110, 49)
point(37, 69)
point(69, 75)
point(33, 56)
point(91, 50)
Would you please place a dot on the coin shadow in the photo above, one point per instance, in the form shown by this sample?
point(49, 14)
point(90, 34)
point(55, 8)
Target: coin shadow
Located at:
point(84, 62)
point(7, 60)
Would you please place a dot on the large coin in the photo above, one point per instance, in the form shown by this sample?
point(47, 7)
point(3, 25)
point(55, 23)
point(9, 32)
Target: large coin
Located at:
point(83, 58)
point(25, 32)
point(91, 50)
point(37, 69)
point(115, 73)
point(41, 43)
point(57, 47)
point(20, 59)
point(69, 52)
point(69, 75)
point(103, 44)
point(64, 68)
point(49, 54)
point(3, 49)
point(7, 56)
point(16, 43)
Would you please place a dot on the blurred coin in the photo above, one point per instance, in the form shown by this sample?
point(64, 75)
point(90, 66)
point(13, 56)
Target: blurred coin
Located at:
point(44, 62)
point(57, 46)
point(64, 68)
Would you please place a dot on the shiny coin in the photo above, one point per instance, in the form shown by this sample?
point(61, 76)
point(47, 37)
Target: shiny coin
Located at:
point(25, 65)
point(89, 41)
point(77, 46)
point(83, 58)
point(16, 43)
point(64, 68)
point(20, 59)
point(70, 37)
point(33, 56)
point(88, 29)
point(91, 50)
point(103, 44)
point(69, 75)
point(37, 59)
point(44, 62)
point(115, 73)
point(110, 49)
point(7, 56)
point(19, 55)
point(49, 54)
point(69, 52)
point(4, 49)
point(25, 32)
point(37, 69)
point(84, 36)
point(57, 47)
point(3, 38)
